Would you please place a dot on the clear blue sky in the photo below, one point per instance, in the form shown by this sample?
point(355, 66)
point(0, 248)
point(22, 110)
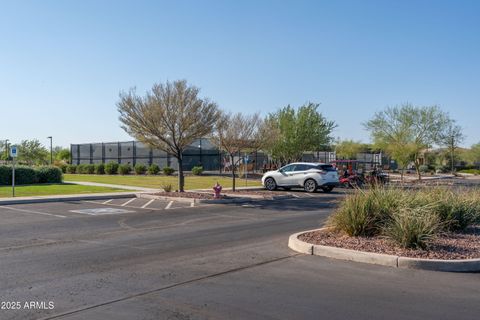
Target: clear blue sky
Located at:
point(63, 63)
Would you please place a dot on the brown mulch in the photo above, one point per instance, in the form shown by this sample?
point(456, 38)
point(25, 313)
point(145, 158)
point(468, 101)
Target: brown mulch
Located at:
point(452, 246)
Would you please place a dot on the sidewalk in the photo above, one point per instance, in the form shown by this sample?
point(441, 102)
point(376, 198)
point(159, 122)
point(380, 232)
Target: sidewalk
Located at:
point(116, 186)
point(69, 197)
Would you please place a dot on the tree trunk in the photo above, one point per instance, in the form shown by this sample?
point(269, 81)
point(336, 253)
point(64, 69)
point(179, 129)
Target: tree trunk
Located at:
point(417, 168)
point(181, 179)
point(452, 159)
point(233, 172)
point(401, 174)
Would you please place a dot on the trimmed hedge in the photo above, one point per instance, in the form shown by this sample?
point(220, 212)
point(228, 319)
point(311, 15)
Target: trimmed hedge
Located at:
point(153, 169)
point(49, 175)
point(100, 168)
point(140, 168)
point(168, 171)
point(197, 171)
point(29, 175)
point(124, 169)
point(111, 168)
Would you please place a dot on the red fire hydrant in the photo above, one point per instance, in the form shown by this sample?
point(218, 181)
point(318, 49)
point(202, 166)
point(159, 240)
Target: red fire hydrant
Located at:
point(217, 188)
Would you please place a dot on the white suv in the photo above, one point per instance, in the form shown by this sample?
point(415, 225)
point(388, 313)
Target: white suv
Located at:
point(309, 176)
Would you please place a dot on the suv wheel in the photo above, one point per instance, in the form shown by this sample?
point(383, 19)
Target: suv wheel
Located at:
point(310, 185)
point(270, 184)
point(327, 189)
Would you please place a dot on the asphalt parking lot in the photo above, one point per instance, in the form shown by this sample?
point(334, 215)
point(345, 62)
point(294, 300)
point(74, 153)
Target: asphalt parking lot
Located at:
point(143, 259)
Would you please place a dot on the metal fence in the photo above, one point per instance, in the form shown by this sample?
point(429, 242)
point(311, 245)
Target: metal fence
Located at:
point(200, 153)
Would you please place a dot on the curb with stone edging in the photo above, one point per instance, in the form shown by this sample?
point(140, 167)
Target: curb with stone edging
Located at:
point(465, 265)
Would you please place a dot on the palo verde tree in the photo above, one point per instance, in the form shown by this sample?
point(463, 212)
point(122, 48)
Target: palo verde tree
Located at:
point(170, 117)
point(407, 131)
point(297, 131)
point(236, 133)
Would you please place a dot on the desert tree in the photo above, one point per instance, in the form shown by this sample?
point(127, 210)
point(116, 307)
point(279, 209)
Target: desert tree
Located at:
point(451, 137)
point(32, 152)
point(407, 131)
point(170, 117)
point(349, 149)
point(236, 133)
point(297, 130)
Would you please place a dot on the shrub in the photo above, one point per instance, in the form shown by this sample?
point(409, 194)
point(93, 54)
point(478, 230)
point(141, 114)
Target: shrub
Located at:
point(140, 168)
point(49, 175)
point(90, 169)
point(5, 175)
point(168, 171)
point(100, 168)
point(153, 169)
point(111, 168)
point(124, 169)
point(167, 187)
point(413, 227)
point(25, 175)
point(423, 168)
point(71, 168)
point(86, 169)
point(29, 175)
point(197, 170)
point(63, 167)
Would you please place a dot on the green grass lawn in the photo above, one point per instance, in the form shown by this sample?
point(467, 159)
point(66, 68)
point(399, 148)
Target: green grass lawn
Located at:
point(156, 182)
point(52, 189)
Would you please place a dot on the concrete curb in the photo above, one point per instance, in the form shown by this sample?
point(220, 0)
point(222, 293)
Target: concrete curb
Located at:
point(75, 197)
point(466, 265)
point(193, 200)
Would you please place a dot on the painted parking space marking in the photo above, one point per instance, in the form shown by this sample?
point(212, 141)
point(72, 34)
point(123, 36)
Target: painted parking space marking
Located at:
point(107, 202)
point(34, 212)
point(169, 205)
point(192, 204)
point(101, 211)
point(147, 204)
point(124, 204)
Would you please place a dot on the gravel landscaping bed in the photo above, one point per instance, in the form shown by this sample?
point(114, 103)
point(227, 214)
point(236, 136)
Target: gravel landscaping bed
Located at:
point(191, 195)
point(451, 246)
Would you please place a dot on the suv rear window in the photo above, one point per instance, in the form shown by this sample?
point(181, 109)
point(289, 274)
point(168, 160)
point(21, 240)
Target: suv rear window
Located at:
point(325, 167)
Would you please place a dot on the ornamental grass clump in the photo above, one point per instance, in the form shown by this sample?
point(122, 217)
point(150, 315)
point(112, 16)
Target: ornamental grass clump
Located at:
point(413, 227)
point(365, 212)
point(411, 218)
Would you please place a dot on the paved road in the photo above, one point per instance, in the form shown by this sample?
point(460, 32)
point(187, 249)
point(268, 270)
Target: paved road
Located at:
point(172, 261)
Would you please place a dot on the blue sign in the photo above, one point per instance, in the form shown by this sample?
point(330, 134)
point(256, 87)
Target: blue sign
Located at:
point(13, 151)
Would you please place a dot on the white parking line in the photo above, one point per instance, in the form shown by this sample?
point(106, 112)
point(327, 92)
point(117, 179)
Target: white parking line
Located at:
point(295, 195)
point(192, 204)
point(147, 204)
point(34, 212)
point(108, 201)
point(310, 195)
point(124, 204)
point(169, 205)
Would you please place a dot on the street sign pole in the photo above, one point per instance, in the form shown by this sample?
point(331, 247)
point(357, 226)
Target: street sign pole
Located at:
point(13, 177)
point(13, 154)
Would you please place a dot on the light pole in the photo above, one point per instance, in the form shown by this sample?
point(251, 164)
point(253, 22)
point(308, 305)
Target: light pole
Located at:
point(6, 150)
point(51, 150)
